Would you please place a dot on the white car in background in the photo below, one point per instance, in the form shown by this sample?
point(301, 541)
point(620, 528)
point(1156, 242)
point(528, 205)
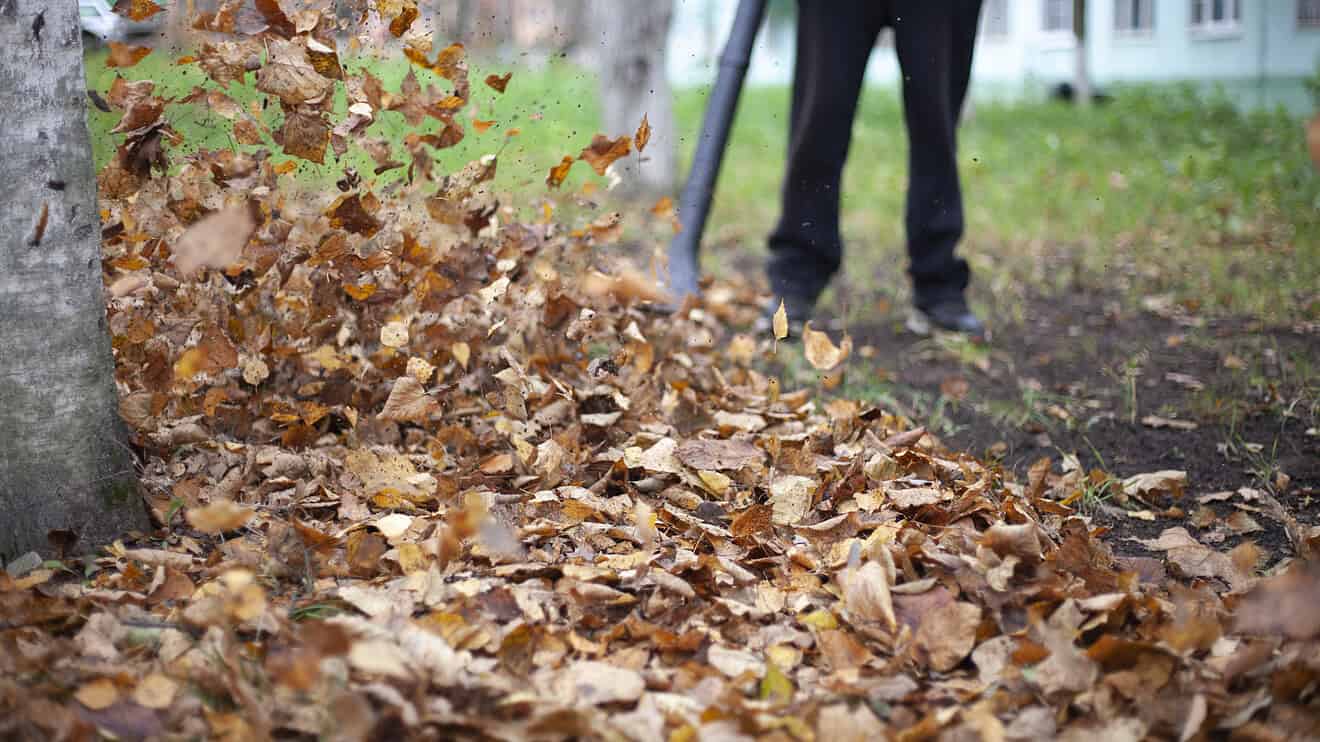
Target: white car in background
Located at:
point(100, 21)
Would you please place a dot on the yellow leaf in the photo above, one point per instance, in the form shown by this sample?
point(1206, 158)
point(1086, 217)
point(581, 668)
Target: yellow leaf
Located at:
point(822, 620)
point(776, 686)
point(821, 352)
point(461, 353)
point(717, 483)
point(780, 322)
point(156, 691)
point(98, 694)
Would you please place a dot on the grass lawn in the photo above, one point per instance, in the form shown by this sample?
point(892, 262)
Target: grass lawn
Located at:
point(1159, 193)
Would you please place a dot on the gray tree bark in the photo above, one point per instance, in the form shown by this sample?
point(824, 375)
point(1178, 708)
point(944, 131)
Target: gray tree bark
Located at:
point(629, 51)
point(64, 464)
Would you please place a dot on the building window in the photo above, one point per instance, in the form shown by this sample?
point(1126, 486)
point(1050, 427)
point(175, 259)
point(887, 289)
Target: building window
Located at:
point(1217, 16)
point(1134, 16)
point(1308, 13)
point(994, 19)
point(1057, 16)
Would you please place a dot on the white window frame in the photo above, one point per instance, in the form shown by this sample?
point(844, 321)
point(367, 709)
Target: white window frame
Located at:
point(999, 9)
point(1308, 21)
point(1055, 38)
point(1136, 30)
point(1208, 28)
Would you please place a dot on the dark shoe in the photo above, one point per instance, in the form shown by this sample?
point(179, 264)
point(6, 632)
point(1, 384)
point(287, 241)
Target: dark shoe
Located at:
point(799, 310)
point(951, 315)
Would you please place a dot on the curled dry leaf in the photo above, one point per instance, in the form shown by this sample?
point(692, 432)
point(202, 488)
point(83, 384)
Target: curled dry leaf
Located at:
point(866, 595)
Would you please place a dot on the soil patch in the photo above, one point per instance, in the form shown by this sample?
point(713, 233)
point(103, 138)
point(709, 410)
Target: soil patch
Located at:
point(1232, 403)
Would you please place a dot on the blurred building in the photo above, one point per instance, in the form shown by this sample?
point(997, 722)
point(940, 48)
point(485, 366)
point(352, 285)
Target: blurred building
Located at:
point(1258, 51)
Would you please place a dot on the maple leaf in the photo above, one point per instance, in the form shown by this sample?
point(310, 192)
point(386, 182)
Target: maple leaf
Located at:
point(498, 83)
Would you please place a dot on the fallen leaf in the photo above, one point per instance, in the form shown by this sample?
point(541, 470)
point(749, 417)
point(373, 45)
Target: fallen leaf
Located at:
point(98, 694)
point(947, 634)
point(155, 691)
point(791, 498)
point(220, 516)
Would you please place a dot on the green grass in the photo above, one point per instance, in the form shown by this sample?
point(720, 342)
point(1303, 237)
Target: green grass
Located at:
point(1162, 192)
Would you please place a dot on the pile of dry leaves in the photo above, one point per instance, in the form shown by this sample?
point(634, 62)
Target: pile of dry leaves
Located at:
point(422, 471)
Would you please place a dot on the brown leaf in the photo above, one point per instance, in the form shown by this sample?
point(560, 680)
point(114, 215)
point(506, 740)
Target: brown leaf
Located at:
point(137, 10)
point(124, 55)
point(305, 134)
point(559, 172)
point(289, 76)
point(643, 135)
point(866, 595)
point(402, 22)
point(499, 82)
point(948, 633)
point(409, 402)
point(753, 521)
point(1283, 605)
point(349, 213)
point(717, 454)
point(604, 151)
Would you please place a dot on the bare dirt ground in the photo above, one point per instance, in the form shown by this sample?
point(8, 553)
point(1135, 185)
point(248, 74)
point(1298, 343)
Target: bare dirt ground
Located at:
point(1233, 403)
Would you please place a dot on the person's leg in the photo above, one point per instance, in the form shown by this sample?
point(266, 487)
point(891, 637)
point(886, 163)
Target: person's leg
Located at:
point(934, 43)
point(834, 41)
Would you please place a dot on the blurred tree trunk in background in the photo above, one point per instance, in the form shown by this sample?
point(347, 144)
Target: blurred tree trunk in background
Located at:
point(628, 41)
point(64, 465)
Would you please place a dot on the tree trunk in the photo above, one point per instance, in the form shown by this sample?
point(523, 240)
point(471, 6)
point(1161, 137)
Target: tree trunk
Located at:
point(1081, 74)
point(64, 464)
point(629, 39)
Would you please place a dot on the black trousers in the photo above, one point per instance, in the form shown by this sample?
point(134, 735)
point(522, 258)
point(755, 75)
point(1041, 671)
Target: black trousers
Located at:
point(934, 41)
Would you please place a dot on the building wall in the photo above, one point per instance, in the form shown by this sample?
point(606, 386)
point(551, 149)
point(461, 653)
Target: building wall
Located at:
point(1270, 51)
